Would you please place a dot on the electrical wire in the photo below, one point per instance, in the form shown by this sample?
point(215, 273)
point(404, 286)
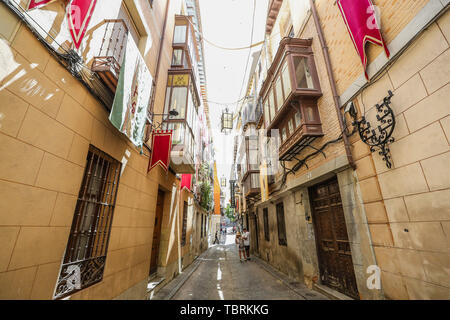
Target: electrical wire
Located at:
point(222, 47)
point(248, 58)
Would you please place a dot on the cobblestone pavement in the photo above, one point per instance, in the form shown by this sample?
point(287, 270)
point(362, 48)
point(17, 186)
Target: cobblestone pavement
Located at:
point(219, 275)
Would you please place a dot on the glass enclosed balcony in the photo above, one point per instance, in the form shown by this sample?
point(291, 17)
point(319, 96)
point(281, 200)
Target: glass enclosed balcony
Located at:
point(249, 166)
point(252, 114)
point(181, 95)
point(251, 185)
point(290, 95)
point(185, 54)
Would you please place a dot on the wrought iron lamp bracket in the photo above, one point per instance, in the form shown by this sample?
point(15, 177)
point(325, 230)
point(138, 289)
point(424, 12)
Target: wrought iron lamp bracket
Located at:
point(380, 136)
point(158, 124)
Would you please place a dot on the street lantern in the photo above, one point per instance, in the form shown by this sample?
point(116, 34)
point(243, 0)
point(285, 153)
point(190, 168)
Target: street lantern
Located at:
point(227, 121)
point(223, 182)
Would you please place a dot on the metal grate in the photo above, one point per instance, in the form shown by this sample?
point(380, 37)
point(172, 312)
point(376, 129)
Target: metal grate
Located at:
point(85, 256)
point(282, 240)
point(266, 224)
point(183, 230)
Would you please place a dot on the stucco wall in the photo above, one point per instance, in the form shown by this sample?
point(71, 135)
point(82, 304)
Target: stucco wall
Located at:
point(48, 119)
point(407, 206)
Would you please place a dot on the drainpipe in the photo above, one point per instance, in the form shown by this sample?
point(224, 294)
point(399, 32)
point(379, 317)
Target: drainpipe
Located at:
point(158, 62)
point(336, 97)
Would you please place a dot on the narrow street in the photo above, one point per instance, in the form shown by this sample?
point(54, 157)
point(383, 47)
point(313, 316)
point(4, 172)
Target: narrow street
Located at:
point(219, 275)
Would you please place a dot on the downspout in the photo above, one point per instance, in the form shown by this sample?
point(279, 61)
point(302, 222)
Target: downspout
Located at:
point(336, 97)
point(158, 64)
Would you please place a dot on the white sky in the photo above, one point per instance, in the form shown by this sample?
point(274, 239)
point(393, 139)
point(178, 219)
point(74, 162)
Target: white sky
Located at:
point(228, 23)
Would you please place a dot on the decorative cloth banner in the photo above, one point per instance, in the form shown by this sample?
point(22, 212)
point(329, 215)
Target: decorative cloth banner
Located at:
point(360, 19)
point(38, 3)
point(129, 110)
point(186, 181)
point(79, 13)
point(161, 147)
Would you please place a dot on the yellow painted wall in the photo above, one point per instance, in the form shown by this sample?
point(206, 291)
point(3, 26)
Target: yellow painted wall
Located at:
point(47, 121)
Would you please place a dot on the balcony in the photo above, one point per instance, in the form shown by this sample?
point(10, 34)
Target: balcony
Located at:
point(252, 114)
point(182, 96)
point(185, 53)
point(108, 62)
point(249, 167)
point(289, 94)
point(251, 184)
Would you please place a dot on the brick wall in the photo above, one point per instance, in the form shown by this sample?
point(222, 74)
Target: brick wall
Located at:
point(407, 207)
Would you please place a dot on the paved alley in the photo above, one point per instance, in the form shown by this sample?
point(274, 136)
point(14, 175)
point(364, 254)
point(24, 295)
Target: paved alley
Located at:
point(219, 275)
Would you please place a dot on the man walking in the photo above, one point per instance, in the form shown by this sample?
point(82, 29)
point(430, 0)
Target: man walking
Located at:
point(246, 237)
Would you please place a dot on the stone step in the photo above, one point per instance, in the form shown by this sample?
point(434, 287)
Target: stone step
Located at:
point(330, 293)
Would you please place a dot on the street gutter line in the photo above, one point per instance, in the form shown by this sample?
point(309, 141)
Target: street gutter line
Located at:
point(174, 291)
point(275, 274)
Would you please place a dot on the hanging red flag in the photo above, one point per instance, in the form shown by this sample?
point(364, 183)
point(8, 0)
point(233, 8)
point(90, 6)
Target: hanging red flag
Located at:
point(360, 19)
point(186, 181)
point(161, 147)
point(37, 3)
point(79, 13)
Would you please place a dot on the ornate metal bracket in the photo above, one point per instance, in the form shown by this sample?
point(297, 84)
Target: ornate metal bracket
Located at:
point(166, 116)
point(381, 136)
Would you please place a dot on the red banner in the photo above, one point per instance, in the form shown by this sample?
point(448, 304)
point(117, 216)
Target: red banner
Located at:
point(360, 19)
point(79, 13)
point(161, 147)
point(37, 3)
point(186, 181)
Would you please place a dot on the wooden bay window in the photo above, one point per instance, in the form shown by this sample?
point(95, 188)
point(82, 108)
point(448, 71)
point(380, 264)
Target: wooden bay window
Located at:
point(290, 94)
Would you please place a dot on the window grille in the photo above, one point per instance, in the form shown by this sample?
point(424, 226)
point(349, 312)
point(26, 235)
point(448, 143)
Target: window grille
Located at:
point(86, 250)
point(201, 227)
point(266, 224)
point(282, 240)
point(183, 232)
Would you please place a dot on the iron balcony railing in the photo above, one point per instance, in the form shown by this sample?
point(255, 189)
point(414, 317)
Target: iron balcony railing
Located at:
point(108, 62)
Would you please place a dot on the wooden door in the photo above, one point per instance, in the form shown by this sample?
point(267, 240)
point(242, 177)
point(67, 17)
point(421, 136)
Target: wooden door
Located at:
point(157, 232)
point(333, 246)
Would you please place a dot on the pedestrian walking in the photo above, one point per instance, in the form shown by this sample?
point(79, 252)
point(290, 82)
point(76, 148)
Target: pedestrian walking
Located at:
point(240, 242)
point(216, 240)
point(246, 237)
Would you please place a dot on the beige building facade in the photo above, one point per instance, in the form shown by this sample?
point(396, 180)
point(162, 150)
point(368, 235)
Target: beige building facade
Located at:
point(335, 213)
point(53, 125)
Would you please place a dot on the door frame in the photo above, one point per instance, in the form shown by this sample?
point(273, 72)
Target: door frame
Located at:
point(154, 270)
point(316, 233)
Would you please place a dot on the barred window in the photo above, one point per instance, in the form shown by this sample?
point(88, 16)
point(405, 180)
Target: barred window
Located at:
point(266, 224)
point(183, 232)
point(282, 240)
point(85, 255)
point(205, 226)
point(201, 227)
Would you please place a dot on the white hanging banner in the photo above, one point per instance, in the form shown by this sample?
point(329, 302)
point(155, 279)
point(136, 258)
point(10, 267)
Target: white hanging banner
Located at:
point(129, 110)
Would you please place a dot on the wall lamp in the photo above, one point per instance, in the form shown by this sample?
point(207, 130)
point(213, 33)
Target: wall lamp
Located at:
point(165, 116)
point(377, 137)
